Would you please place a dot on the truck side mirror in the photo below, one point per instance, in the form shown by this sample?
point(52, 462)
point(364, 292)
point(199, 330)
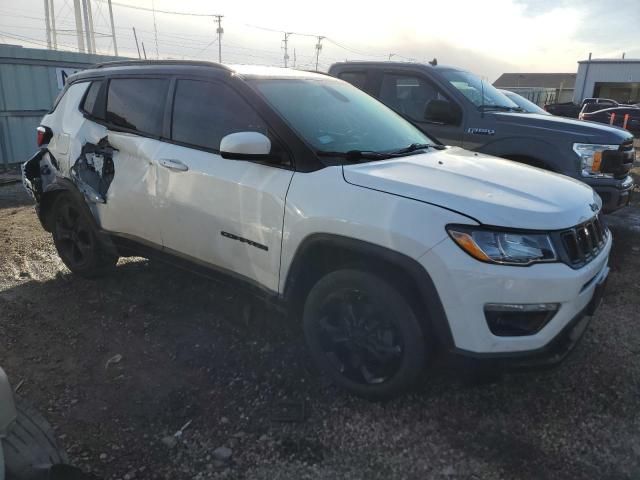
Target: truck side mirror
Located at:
point(441, 111)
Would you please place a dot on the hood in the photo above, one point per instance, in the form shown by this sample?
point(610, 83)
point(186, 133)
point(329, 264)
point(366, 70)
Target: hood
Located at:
point(551, 125)
point(491, 190)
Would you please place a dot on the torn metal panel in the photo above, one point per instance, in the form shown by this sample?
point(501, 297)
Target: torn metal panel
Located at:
point(93, 170)
point(38, 172)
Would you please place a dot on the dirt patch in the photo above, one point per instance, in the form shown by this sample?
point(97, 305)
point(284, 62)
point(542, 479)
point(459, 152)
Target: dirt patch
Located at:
point(196, 357)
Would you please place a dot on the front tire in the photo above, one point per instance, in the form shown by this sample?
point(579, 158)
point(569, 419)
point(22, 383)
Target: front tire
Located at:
point(364, 334)
point(76, 239)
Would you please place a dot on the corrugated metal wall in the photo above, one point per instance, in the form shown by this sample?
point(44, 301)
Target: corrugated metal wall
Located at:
point(591, 72)
point(29, 84)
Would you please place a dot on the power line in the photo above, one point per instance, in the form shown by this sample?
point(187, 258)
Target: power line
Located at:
point(134, 7)
point(279, 31)
point(349, 49)
point(200, 46)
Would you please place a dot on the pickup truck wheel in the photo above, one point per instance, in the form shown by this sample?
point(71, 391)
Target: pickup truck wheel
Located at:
point(76, 239)
point(364, 334)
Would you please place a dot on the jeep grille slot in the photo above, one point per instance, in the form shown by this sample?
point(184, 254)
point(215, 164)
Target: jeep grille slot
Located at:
point(583, 242)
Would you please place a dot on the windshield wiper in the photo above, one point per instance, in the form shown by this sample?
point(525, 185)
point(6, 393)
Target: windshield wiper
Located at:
point(506, 108)
point(417, 146)
point(355, 155)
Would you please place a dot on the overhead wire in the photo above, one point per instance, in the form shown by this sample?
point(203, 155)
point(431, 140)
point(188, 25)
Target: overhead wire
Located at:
point(191, 38)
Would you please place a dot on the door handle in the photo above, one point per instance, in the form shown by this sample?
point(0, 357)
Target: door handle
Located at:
point(172, 164)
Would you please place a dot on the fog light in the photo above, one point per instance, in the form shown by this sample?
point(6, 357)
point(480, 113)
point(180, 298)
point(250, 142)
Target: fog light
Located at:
point(517, 320)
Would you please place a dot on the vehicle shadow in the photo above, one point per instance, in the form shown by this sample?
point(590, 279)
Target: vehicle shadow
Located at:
point(149, 348)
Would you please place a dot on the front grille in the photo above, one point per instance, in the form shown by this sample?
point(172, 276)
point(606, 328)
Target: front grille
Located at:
point(583, 242)
point(628, 153)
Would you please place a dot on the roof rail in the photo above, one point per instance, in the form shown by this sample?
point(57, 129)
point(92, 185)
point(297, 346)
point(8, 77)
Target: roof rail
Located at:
point(126, 63)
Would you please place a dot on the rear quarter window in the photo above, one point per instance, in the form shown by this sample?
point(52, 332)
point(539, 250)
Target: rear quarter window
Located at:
point(137, 104)
point(90, 103)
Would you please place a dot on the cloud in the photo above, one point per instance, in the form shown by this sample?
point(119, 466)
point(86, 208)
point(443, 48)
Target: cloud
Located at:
point(606, 28)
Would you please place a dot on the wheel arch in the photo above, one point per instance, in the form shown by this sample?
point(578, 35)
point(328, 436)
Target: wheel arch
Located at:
point(49, 196)
point(321, 253)
point(529, 160)
point(530, 151)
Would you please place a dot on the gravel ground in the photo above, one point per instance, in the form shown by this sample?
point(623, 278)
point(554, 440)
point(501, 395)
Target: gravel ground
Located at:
point(122, 365)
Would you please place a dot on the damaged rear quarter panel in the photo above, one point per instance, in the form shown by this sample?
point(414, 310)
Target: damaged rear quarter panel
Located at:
point(132, 201)
point(114, 170)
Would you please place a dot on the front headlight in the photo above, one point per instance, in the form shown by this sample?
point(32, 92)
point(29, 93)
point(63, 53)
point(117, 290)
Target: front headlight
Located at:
point(591, 156)
point(503, 247)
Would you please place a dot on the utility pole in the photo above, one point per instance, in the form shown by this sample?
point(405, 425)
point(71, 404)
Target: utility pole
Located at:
point(92, 34)
point(155, 30)
point(54, 32)
point(47, 22)
point(294, 58)
point(219, 31)
point(113, 31)
point(85, 14)
point(318, 48)
point(78, 15)
point(136, 37)
point(286, 48)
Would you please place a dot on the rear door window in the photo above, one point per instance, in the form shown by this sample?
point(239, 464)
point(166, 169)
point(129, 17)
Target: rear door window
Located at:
point(137, 104)
point(204, 112)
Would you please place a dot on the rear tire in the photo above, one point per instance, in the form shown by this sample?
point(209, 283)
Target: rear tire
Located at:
point(364, 334)
point(76, 239)
point(30, 445)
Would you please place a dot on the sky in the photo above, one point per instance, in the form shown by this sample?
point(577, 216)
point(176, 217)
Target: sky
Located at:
point(488, 37)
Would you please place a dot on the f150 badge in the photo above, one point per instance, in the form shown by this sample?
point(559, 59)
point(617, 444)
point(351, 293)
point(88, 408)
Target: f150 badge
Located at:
point(481, 131)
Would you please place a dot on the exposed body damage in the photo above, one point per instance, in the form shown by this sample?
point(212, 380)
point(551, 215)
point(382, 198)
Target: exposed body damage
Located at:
point(38, 173)
point(93, 170)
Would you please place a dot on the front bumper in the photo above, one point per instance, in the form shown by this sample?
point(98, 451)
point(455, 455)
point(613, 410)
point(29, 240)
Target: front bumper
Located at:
point(615, 193)
point(466, 285)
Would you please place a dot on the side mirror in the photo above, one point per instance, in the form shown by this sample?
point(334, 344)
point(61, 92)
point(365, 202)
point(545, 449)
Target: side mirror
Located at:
point(246, 146)
point(441, 111)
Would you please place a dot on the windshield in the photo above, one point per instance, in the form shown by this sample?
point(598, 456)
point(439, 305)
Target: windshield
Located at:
point(335, 116)
point(473, 88)
point(525, 104)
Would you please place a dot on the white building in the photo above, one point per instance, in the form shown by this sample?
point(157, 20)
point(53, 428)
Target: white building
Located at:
point(618, 79)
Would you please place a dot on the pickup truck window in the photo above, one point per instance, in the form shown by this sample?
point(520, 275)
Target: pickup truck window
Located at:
point(409, 95)
point(357, 79)
point(473, 88)
point(335, 116)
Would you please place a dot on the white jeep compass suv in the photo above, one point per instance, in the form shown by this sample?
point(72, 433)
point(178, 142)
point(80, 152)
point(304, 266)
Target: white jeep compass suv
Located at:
point(386, 243)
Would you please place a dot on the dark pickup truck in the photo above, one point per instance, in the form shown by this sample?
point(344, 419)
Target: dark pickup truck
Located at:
point(458, 108)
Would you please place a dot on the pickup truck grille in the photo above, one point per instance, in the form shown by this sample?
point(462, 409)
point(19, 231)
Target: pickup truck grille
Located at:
point(628, 154)
point(584, 242)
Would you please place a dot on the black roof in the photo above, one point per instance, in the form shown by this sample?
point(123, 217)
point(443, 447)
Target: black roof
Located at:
point(152, 63)
point(384, 63)
point(186, 67)
point(151, 67)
